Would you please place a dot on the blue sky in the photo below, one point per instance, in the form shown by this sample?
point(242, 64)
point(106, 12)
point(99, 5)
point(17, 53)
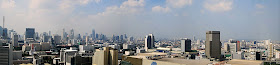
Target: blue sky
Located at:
point(236, 19)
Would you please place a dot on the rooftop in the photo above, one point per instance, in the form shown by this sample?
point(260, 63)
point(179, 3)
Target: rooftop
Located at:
point(244, 62)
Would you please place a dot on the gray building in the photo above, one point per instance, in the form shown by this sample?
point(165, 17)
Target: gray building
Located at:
point(30, 33)
point(15, 40)
point(186, 45)
point(6, 55)
point(93, 34)
point(5, 33)
point(149, 42)
point(213, 44)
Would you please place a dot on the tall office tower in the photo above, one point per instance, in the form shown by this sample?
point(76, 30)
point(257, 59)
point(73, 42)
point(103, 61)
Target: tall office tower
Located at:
point(238, 46)
point(87, 40)
point(63, 35)
point(15, 41)
point(270, 51)
point(6, 55)
point(5, 33)
point(79, 37)
point(107, 56)
point(125, 37)
point(121, 38)
point(93, 34)
point(149, 42)
point(50, 33)
point(10, 33)
point(72, 34)
point(30, 33)
point(186, 45)
point(46, 38)
point(213, 44)
point(56, 39)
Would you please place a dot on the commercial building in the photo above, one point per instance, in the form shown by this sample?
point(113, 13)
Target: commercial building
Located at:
point(186, 45)
point(213, 44)
point(105, 56)
point(149, 42)
point(30, 33)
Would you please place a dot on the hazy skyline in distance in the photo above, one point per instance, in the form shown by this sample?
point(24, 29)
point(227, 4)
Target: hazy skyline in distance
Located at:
point(236, 19)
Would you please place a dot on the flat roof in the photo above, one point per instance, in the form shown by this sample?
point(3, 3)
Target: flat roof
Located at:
point(244, 62)
point(186, 61)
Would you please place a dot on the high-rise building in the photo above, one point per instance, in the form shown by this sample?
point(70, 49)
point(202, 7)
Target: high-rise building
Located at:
point(6, 55)
point(238, 46)
point(56, 39)
point(107, 56)
point(1, 31)
point(15, 41)
point(93, 34)
point(72, 34)
point(63, 35)
point(186, 45)
point(87, 40)
point(149, 42)
point(30, 33)
point(5, 33)
point(213, 44)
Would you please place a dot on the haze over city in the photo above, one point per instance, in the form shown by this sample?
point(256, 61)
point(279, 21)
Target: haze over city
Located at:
point(236, 19)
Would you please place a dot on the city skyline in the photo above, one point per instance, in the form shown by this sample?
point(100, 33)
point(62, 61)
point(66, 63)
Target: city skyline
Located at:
point(252, 20)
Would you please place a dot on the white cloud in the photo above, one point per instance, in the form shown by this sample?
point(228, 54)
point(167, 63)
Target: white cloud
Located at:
point(160, 9)
point(218, 5)
point(126, 8)
point(259, 6)
point(178, 3)
point(69, 5)
point(8, 4)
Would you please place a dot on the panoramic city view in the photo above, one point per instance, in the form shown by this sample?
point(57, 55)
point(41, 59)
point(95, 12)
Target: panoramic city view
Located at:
point(139, 32)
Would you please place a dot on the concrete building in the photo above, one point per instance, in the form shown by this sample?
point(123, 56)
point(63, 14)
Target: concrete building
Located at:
point(45, 46)
point(15, 40)
point(107, 56)
point(6, 55)
point(30, 33)
point(186, 45)
point(149, 42)
point(56, 39)
point(213, 44)
point(17, 55)
point(84, 48)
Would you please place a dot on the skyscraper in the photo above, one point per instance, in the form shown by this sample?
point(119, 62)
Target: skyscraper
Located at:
point(93, 34)
point(5, 33)
point(15, 40)
point(30, 33)
point(63, 35)
point(72, 34)
point(149, 42)
point(186, 45)
point(213, 44)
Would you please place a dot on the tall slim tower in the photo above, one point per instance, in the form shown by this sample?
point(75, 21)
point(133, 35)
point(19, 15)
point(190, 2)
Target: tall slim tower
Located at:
point(149, 42)
point(93, 34)
point(72, 34)
point(186, 45)
point(3, 26)
point(213, 44)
